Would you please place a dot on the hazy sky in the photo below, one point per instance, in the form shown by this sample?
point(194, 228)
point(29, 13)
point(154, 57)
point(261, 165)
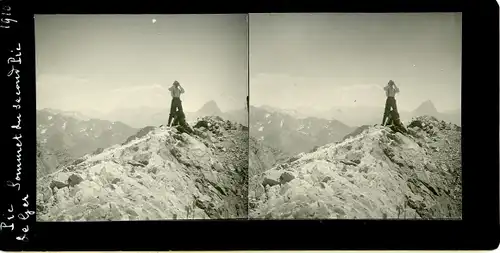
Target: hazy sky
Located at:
point(107, 61)
point(324, 60)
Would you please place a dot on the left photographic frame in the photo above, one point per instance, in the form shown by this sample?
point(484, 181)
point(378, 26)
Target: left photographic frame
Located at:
point(141, 117)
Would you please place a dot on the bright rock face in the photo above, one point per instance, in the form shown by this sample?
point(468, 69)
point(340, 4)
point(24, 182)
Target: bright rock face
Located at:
point(375, 174)
point(161, 174)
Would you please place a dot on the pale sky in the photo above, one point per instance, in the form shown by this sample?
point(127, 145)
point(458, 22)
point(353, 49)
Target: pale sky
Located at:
point(325, 60)
point(102, 62)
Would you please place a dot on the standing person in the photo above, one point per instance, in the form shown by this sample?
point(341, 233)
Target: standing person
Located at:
point(175, 90)
point(390, 103)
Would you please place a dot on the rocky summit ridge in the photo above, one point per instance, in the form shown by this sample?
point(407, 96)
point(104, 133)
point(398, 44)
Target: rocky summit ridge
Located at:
point(375, 173)
point(160, 173)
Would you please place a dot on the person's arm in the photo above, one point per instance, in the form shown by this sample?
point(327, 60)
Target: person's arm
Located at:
point(171, 87)
point(396, 89)
point(182, 89)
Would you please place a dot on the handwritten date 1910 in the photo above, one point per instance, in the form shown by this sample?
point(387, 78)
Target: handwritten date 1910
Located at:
point(5, 20)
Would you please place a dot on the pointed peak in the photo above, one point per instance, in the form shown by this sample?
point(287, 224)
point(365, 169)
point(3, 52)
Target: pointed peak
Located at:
point(426, 108)
point(428, 102)
point(210, 107)
point(211, 102)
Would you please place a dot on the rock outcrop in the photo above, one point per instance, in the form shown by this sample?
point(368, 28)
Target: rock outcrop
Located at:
point(157, 174)
point(375, 174)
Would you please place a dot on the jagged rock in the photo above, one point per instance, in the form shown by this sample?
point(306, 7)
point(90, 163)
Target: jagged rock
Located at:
point(142, 158)
point(272, 178)
point(60, 180)
point(141, 133)
point(286, 177)
point(98, 151)
point(153, 170)
point(135, 163)
point(74, 179)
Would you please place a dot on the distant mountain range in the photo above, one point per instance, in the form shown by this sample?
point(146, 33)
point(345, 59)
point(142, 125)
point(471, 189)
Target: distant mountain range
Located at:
point(366, 115)
point(64, 136)
point(301, 129)
point(148, 116)
point(294, 135)
point(78, 135)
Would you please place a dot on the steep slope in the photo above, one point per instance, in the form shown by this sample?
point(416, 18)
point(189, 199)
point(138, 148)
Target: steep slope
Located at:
point(48, 161)
point(357, 131)
point(292, 135)
point(374, 174)
point(159, 173)
point(59, 132)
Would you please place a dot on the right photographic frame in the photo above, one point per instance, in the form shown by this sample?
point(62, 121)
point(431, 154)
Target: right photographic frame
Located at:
point(355, 116)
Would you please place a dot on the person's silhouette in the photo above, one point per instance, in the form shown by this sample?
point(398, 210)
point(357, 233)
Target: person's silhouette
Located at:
point(390, 103)
point(175, 90)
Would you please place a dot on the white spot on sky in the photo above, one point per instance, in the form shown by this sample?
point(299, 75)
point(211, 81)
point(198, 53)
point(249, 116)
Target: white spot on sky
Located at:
point(153, 20)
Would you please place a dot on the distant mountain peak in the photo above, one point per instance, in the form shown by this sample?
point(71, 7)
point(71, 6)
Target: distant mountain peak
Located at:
point(426, 107)
point(210, 108)
point(51, 110)
point(428, 102)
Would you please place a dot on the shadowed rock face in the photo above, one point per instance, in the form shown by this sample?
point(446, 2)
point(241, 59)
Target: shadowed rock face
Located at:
point(158, 174)
point(375, 174)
